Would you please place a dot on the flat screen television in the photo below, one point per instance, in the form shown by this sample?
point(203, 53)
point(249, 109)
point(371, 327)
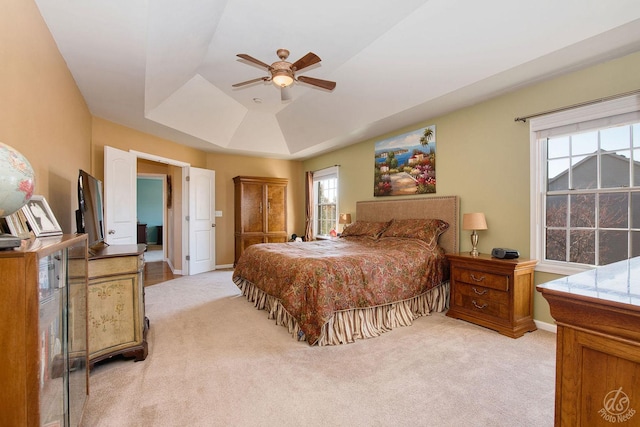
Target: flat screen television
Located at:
point(90, 214)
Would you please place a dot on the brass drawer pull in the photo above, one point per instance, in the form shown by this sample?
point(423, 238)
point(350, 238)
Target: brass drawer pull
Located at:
point(481, 307)
point(477, 279)
point(482, 292)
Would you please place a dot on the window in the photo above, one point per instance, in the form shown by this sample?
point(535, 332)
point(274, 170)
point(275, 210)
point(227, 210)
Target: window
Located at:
point(586, 186)
point(325, 204)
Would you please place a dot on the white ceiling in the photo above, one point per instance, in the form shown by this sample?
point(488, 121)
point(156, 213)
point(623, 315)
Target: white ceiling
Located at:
point(166, 67)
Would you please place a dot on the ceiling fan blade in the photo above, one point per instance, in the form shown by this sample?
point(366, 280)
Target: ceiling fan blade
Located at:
point(254, 60)
point(325, 84)
point(306, 61)
point(263, 79)
point(285, 94)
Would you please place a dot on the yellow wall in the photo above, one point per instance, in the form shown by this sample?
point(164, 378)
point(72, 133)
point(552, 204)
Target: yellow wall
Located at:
point(483, 155)
point(42, 113)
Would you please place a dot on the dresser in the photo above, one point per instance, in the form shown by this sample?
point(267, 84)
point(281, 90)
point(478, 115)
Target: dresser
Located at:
point(43, 337)
point(492, 292)
point(117, 321)
point(260, 211)
point(598, 345)
point(142, 233)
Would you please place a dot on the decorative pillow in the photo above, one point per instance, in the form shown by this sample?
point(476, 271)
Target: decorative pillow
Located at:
point(424, 229)
point(365, 229)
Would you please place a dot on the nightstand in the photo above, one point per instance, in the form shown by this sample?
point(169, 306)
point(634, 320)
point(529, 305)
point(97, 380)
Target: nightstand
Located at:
point(492, 292)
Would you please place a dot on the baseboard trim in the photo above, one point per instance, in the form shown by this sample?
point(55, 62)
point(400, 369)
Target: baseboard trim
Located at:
point(546, 326)
point(224, 266)
point(173, 269)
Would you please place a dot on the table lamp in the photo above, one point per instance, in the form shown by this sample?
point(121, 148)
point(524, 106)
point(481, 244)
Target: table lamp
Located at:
point(474, 221)
point(344, 219)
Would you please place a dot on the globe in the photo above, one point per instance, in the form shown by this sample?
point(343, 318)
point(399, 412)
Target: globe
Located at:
point(17, 180)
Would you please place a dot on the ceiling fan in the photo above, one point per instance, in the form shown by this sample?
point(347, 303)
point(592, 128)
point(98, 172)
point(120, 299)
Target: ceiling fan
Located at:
point(283, 73)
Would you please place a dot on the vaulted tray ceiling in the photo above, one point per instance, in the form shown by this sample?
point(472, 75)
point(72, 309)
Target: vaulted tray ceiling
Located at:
point(167, 67)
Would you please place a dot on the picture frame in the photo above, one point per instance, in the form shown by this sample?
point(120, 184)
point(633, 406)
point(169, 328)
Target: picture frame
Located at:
point(40, 217)
point(17, 225)
point(4, 226)
point(406, 164)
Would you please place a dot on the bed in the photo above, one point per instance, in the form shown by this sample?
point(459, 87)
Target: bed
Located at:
point(387, 269)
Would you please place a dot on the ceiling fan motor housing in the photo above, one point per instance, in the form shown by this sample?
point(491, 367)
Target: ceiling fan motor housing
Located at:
point(282, 54)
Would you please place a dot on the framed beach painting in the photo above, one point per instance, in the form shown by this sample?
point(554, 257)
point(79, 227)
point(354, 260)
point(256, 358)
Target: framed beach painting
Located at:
point(406, 164)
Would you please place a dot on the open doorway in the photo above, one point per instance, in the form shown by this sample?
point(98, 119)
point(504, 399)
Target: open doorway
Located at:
point(152, 211)
point(151, 202)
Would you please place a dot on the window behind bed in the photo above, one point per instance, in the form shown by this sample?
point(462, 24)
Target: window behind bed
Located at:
point(325, 201)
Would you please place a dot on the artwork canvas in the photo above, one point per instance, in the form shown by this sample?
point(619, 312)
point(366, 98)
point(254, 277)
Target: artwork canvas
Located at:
point(406, 164)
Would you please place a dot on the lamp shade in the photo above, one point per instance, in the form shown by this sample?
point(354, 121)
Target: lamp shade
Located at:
point(345, 218)
point(474, 221)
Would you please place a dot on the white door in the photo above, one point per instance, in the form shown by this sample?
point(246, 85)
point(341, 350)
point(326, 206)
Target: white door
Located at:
point(202, 221)
point(120, 216)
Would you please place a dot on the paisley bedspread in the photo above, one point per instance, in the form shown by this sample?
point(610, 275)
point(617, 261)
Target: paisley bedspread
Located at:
point(313, 280)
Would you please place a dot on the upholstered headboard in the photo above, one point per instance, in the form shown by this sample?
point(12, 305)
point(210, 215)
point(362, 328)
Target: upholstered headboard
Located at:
point(445, 208)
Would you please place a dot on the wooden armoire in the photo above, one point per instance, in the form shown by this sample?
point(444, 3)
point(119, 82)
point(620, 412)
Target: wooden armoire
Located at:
point(260, 211)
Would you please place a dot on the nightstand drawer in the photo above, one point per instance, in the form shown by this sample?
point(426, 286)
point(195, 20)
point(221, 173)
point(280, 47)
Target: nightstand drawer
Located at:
point(481, 278)
point(482, 306)
point(475, 291)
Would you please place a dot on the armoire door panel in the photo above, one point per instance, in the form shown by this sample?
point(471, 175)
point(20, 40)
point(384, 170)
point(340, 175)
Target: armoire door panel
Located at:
point(276, 213)
point(252, 208)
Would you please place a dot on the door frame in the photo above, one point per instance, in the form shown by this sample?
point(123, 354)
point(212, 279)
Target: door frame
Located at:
point(163, 178)
point(185, 199)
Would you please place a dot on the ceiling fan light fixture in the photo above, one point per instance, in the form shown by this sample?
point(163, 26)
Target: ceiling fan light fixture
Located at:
point(283, 73)
point(282, 78)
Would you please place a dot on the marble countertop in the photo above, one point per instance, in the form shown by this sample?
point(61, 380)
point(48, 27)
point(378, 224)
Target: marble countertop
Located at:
point(618, 283)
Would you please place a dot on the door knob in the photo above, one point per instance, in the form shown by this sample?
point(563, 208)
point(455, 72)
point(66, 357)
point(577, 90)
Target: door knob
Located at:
point(112, 232)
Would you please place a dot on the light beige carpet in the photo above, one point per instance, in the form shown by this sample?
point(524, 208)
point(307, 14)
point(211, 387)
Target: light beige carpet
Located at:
point(215, 360)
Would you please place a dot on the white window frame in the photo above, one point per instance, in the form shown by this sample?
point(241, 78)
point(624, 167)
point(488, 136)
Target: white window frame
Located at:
point(320, 175)
point(599, 115)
